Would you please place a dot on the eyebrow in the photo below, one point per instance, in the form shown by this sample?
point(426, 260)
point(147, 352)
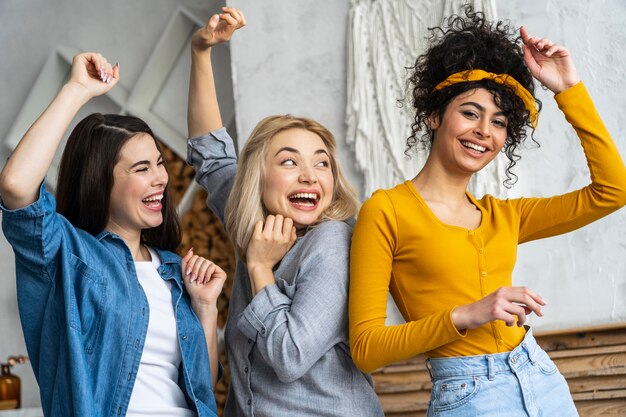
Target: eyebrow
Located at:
point(289, 149)
point(145, 162)
point(481, 108)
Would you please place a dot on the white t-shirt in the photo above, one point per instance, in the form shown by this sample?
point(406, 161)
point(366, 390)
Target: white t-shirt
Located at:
point(156, 391)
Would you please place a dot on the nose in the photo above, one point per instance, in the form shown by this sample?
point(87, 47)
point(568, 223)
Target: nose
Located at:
point(483, 128)
point(307, 176)
point(161, 176)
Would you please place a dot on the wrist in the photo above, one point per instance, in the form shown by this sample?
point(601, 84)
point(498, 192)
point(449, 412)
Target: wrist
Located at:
point(77, 92)
point(201, 53)
point(203, 308)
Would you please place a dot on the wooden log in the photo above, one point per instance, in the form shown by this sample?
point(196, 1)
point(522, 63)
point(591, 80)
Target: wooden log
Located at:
point(595, 408)
point(597, 383)
point(401, 382)
point(405, 402)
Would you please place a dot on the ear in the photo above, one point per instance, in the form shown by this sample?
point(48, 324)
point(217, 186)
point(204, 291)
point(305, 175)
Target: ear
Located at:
point(433, 121)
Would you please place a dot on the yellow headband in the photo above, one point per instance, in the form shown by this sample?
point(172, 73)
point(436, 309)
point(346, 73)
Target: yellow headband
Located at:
point(477, 75)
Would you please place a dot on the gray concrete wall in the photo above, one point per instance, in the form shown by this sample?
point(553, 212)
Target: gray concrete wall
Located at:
point(292, 59)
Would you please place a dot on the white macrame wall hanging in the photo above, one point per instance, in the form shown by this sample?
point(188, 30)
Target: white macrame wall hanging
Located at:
point(386, 36)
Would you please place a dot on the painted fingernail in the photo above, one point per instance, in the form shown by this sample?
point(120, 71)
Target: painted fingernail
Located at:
point(187, 271)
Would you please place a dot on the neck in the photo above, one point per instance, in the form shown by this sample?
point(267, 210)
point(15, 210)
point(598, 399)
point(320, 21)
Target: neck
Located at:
point(132, 239)
point(436, 183)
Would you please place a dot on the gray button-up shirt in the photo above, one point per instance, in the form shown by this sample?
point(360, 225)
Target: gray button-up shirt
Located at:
point(288, 347)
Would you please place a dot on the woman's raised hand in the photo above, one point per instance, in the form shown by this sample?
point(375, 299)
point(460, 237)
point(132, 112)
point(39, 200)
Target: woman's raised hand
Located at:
point(203, 279)
point(93, 73)
point(509, 304)
point(219, 28)
point(549, 63)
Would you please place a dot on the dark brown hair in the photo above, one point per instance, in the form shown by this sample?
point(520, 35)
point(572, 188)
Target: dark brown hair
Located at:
point(466, 43)
point(85, 177)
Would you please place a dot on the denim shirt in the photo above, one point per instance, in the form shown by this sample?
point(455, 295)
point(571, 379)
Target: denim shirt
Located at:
point(288, 346)
point(85, 315)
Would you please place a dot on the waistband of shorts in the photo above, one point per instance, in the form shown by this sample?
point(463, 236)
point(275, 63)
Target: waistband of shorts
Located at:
point(488, 364)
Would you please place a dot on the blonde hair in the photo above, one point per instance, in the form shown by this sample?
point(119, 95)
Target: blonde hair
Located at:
point(244, 207)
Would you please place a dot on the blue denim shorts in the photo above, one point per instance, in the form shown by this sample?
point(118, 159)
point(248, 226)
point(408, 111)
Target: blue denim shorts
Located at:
point(521, 383)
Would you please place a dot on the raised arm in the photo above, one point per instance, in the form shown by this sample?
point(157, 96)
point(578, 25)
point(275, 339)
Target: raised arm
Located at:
point(203, 113)
point(23, 173)
point(204, 281)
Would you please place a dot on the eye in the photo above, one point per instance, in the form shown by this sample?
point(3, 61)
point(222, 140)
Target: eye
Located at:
point(288, 162)
point(324, 164)
point(143, 169)
point(470, 114)
point(500, 123)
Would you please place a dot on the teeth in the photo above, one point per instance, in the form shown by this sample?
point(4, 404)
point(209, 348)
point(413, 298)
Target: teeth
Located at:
point(154, 198)
point(311, 196)
point(473, 146)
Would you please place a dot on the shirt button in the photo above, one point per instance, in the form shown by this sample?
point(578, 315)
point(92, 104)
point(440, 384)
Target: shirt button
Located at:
point(249, 340)
point(130, 375)
point(249, 401)
point(184, 337)
point(483, 274)
point(500, 342)
point(480, 250)
point(245, 369)
point(137, 344)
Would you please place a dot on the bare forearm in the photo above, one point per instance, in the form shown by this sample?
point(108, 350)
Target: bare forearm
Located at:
point(208, 319)
point(29, 162)
point(203, 113)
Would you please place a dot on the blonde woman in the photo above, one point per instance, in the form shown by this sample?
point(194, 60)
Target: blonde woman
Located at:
point(289, 212)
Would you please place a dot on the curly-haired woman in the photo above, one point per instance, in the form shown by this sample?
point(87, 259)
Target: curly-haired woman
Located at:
point(447, 257)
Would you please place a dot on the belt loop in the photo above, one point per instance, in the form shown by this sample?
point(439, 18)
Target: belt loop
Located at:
point(429, 367)
point(491, 368)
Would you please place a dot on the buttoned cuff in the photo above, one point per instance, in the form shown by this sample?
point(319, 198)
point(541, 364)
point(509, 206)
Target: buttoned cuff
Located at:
point(252, 321)
point(213, 145)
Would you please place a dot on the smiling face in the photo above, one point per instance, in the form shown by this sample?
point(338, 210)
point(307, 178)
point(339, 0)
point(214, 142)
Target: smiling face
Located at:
point(139, 180)
point(470, 134)
point(298, 180)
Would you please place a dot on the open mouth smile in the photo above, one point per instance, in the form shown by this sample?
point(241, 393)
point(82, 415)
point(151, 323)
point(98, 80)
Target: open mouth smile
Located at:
point(153, 202)
point(304, 201)
point(473, 146)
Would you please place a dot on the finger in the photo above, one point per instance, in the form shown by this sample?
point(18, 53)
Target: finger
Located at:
point(192, 267)
point(269, 225)
point(201, 265)
point(213, 22)
point(205, 271)
point(236, 13)
point(258, 229)
point(524, 34)
point(229, 19)
point(520, 312)
point(243, 21)
point(530, 61)
point(543, 44)
point(287, 226)
point(186, 259)
point(277, 228)
point(552, 50)
point(294, 234)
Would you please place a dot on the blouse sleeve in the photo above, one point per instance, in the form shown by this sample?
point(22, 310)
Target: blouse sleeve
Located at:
point(545, 217)
point(214, 159)
point(374, 344)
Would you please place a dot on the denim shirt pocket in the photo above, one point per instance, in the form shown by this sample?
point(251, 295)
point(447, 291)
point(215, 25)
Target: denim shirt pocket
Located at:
point(87, 302)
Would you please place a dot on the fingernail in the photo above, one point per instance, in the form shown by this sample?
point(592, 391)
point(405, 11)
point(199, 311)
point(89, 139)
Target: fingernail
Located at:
point(193, 277)
point(187, 271)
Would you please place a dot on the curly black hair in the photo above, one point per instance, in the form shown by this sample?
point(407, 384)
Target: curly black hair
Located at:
point(467, 43)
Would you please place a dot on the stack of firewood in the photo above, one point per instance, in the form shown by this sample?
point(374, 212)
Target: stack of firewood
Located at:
point(203, 232)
